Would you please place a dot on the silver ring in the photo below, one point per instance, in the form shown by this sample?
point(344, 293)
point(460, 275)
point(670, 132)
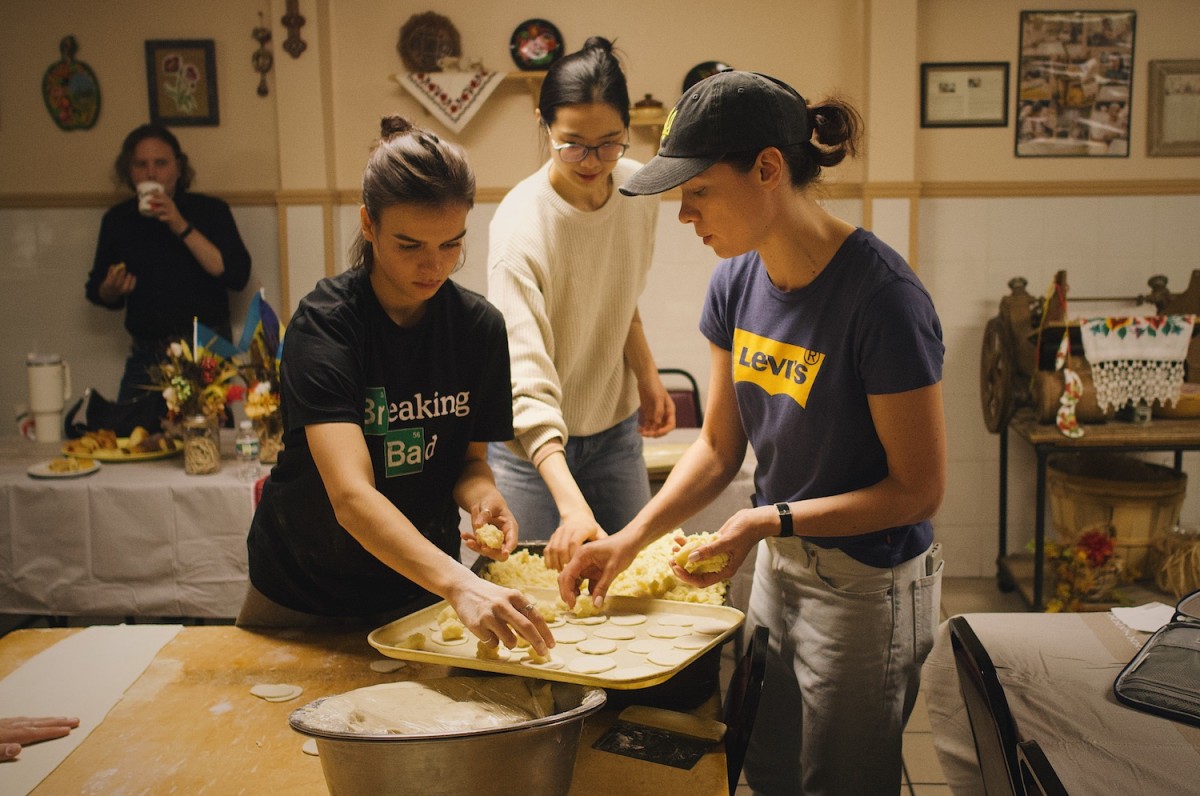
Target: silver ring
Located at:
point(527, 608)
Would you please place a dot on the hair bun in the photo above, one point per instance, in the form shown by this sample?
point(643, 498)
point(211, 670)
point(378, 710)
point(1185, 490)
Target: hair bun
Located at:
point(394, 125)
point(598, 43)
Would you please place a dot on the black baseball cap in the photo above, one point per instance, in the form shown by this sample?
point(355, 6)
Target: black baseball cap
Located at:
point(728, 112)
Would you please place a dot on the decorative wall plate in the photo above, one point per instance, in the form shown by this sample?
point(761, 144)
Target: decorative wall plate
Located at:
point(535, 44)
point(703, 70)
point(70, 90)
point(424, 39)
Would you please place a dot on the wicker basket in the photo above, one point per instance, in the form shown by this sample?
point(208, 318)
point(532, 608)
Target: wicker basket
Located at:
point(1138, 499)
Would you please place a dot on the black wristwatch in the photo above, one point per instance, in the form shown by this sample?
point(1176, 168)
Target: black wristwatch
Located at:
point(785, 519)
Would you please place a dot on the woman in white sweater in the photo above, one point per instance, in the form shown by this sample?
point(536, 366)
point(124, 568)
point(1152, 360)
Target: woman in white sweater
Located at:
point(568, 257)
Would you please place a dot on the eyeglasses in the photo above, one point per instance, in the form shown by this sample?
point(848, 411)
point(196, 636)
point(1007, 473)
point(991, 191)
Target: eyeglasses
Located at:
point(577, 153)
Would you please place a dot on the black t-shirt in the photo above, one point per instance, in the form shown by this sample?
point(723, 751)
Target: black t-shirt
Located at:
point(421, 394)
point(172, 286)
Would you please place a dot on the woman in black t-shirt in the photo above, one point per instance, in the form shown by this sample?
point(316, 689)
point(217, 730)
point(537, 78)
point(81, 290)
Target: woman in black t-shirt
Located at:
point(393, 381)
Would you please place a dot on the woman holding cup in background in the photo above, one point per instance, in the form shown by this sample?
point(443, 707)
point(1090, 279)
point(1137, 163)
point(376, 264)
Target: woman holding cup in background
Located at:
point(167, 256)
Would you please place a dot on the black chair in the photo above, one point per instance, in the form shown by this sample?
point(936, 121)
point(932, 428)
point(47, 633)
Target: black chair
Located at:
point(992, 722)
point(741, 703)
point(689, 412)
point(1037, 775)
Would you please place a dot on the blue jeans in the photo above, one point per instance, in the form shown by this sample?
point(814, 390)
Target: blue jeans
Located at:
point(608, 467)
point(843, 668)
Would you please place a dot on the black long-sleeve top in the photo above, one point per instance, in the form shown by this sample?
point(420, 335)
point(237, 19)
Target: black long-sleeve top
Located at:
point(172, 286)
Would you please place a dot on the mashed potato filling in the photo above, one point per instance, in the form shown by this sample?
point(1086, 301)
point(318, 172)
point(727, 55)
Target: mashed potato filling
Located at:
point(649, 575)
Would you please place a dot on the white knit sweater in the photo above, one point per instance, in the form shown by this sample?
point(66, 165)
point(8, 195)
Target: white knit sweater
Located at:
point(568, 282)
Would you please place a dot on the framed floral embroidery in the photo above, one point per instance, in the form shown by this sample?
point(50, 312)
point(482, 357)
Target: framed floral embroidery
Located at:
point(182, 79)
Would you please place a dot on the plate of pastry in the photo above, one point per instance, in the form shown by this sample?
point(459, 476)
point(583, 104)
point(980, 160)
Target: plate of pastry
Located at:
point(106, 446)
point(64, 467)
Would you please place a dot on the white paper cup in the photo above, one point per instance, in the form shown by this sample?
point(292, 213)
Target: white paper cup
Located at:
point(144, 191)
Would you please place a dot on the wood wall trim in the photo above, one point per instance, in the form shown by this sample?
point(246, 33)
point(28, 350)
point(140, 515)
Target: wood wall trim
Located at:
point(1034, 190)
point(491, 195)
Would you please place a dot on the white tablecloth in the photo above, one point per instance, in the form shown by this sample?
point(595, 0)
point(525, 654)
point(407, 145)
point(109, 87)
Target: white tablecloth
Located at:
point(1057, 671)
point(134, 539)
point(146, 539)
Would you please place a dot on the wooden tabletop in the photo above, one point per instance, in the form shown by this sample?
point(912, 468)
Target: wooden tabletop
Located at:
point(1165, 433)
point(189, 724)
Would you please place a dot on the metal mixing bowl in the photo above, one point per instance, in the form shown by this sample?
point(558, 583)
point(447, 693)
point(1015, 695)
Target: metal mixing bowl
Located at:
point(535, 756)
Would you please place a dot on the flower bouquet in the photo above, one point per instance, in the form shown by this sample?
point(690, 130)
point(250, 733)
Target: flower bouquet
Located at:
point(196, 383)
point(258, 365)
point(1087, 570)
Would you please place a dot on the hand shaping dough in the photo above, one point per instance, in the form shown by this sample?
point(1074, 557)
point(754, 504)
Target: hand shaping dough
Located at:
point(711, 564)
point(489, 536)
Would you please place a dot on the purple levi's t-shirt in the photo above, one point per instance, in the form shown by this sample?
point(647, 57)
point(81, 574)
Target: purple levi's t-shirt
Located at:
point(804, 362)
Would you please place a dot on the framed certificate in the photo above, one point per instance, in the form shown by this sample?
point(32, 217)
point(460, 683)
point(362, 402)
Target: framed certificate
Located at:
point(964, 94)
point(1174, 122)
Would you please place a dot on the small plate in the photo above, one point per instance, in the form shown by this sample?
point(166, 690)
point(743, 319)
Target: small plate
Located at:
point(701, 71)
point(535, 44)
point(43, 470)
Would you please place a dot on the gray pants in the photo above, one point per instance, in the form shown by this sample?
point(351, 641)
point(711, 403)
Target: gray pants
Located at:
point(843, 668)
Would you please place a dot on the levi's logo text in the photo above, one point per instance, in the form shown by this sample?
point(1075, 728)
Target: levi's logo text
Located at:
point(779, 368)
point(405, 450)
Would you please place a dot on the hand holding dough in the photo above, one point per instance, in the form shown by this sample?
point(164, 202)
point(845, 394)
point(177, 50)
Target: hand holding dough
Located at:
point(711, 564)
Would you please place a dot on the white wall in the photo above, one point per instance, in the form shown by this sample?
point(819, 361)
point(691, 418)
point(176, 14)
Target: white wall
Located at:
point(47, 255)
point(969, 249)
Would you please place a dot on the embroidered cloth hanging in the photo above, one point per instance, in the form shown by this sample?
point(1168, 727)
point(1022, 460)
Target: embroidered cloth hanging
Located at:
point(1137, 359)
point(453, 97)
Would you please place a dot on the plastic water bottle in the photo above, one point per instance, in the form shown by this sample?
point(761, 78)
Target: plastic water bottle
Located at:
point(246, 446)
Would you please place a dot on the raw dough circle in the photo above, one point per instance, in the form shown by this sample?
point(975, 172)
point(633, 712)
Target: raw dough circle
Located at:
point(675, 620)
point(454, 642)
point(667, 632)
point(388, 666)
point(569, 635)
point(597, 646)
point(553, 663)
point(276, 692)
point(640, 672)
point(310, 747)
point(587, 620)
point(592, 664)
point(645, 646)
point(627, 619)
point(670, 657)
point(617, 633)
point(710, 627)
point(694, 641)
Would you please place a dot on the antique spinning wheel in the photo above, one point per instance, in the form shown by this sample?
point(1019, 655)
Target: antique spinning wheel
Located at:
point(997, 375)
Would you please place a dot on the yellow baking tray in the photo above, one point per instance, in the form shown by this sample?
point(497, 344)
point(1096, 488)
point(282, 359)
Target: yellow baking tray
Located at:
point(676, 634)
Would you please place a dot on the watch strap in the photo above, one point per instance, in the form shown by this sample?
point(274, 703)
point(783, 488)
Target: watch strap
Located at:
point(785, 519)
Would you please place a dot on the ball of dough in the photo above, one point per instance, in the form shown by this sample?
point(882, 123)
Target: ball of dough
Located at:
point(489, 536)
point(711, 564)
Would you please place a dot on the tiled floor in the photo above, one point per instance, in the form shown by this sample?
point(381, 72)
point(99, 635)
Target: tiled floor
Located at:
point(922, 774)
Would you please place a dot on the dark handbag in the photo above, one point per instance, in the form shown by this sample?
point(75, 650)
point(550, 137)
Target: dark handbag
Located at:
point(94, 412)
point(1164, 677)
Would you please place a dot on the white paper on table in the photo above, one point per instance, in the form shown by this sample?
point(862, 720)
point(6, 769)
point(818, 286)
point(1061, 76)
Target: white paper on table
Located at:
point(83, 675)
point(1146, 618)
